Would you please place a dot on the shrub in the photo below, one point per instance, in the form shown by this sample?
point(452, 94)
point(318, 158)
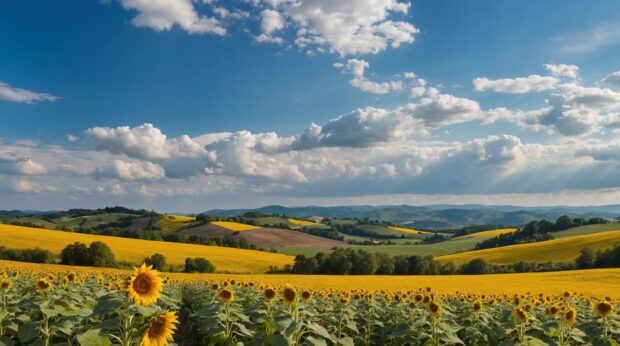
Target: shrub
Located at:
point(98, 254)
point(198, 265)
point(158, 261)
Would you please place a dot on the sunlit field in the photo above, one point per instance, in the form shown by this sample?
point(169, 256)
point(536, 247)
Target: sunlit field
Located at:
point(135, 250)
point(556, 250)
point(235, 226)
point(91, 306)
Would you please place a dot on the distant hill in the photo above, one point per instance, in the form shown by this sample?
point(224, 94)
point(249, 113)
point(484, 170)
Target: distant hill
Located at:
point(436, 216)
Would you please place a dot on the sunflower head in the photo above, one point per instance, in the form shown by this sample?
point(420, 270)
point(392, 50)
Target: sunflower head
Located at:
point(306, 295)
point(289, 295)
point(570, 316)
point(478, 307)
point(161, 329)
point(71, 277)
point(603, 309)
point(520, 315)
point(552, 310)
point(226, 295)
point(5, 284)
point(434, 309)
point(145, 286)
point(270, 294)
point(43, 285)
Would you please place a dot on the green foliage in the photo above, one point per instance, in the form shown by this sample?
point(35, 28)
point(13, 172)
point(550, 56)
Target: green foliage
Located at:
point(158, 261)
point(198, 265)
point(36, 255)
point(98, 254)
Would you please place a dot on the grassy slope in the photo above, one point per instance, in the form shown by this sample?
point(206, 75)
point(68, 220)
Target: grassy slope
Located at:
point(589, 229)
point(35, 221)
point(563, 249)
point(595, 282)
point(89, 220)
point(135, 250)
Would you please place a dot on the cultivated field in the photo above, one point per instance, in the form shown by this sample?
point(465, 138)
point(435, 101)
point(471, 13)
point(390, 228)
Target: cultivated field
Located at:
point(556, 250)
point(135, 250)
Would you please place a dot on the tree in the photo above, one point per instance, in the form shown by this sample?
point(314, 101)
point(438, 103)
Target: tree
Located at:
point(100, 255)
point(563, 222)
point(476, 266)
point(304, 265)
point(158, 261)
point(586, 259)
point(75, 254)
point(198, 265)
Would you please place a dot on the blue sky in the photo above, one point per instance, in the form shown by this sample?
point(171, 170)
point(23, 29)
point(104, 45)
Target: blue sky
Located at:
point(189, 105)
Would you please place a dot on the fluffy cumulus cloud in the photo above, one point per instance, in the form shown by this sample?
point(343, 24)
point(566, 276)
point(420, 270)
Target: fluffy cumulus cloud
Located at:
point(357, 68)
point(520, 85)
point(11, 163)
point(13, 94)
point(347, 27)
point(132, 170)
point(164, 14)
point(563, 70)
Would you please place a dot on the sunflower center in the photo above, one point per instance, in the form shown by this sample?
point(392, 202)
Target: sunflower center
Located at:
point(142, 284)
point(157, 328)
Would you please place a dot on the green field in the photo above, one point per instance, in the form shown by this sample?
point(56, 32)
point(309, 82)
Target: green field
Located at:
point(89, 221)
point(588, 229)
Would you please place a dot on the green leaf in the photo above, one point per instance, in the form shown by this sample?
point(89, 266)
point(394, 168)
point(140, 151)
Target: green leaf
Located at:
point(93, 338)
point(29, 330)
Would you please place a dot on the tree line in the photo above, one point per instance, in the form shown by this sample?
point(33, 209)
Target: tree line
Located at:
point(535, 231)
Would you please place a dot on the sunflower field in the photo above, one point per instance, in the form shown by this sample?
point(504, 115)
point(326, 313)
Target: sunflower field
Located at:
point(144, 307)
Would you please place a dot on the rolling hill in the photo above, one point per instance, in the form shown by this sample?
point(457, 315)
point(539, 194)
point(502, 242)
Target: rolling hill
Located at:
point(135, 250)
point(556, 250)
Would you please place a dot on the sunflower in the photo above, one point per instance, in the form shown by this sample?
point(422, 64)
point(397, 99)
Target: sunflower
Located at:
point(6, 284)
point(289, 295)
point(434, 309)
point(71, 277)
point(603, 309)
point(145, 286)
point(520, 315)
point(478, 307)
point(306, 295)
point(161, 329)
point(552, 310)
point(43, 285)
point(570, 316)
point(227, 295)
point(270, 294)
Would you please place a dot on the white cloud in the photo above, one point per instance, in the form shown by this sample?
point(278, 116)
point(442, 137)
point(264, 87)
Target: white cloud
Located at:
point(612, 80)
point(11, 163)
point(72, 138)
point(520, 85)
point(357, 68)
point(439, 110)
point(132, 170)
point(593, 39)
point(271, 21)
point(563, 70)
point(9, 93)
point(24, 186)
point(164, 14)
point(347, 27)
point(143, 142)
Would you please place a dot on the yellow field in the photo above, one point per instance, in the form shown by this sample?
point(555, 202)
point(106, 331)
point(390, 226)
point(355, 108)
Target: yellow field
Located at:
point(302, 222)
point(179, 218)
point(407, 230)
point(235, 226)
point(593, 282)
point(135, 250)
point(556, 250)
point(492, 233)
